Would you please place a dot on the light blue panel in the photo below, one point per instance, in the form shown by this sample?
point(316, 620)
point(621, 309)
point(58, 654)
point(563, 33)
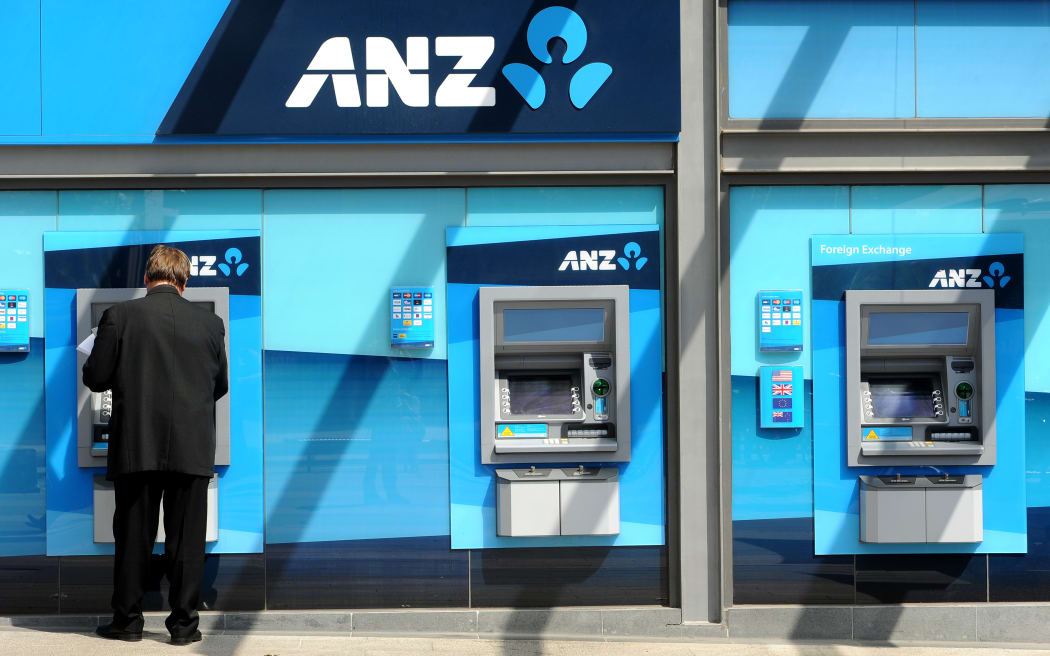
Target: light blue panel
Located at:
point(835, 487)
point(769, 233)
point(523, 206)
point(160, 210)
point(20, 67)
point(112, 67)
point(1026, 209)
point(916, 209)
point(241, 483)
point(24, 217)
point(772, 468)
point(356, 447)
point(69, 501)
point(1037, 448)
point(332, 255)
point(983, 59)
point(75, 240)
point(22, 473)
point(821, 59)
point(502, 235)
point(472, 492)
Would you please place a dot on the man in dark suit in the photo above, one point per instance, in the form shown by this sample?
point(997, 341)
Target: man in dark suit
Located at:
point(165, 360)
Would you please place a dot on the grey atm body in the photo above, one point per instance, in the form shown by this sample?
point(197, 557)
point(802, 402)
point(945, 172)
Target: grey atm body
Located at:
point(566, 367)
point(920, 363)
point(93, 408)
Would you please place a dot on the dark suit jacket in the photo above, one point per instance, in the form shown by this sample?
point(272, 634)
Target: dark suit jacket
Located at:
point(165, 360)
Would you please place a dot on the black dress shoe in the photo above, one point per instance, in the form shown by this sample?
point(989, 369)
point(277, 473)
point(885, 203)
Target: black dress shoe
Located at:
point(186, 639)
point(114, 633)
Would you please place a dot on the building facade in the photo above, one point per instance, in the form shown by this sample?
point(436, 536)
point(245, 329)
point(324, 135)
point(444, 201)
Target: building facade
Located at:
point(317, 158)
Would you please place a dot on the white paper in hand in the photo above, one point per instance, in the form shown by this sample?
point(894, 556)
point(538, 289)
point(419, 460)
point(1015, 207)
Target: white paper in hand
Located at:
point(86, 345)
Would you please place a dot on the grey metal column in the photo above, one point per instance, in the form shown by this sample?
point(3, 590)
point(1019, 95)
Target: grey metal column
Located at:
point(698, 497)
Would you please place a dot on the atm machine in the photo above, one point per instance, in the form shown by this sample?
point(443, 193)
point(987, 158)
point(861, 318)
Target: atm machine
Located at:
point(554, 369)
point(920, 390)
point(94, 409)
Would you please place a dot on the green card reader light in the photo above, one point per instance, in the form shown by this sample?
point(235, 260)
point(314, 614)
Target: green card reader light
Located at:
point(964, 392)
point(601, 389)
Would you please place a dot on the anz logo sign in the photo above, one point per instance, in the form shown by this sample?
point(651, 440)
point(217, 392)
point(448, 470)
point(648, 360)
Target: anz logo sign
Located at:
point(384, 68)
point(204, 265)
point(604, 260)
point(972, 278)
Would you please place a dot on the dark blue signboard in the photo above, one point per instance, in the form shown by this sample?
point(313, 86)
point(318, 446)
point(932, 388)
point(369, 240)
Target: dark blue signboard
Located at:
point(459, 69)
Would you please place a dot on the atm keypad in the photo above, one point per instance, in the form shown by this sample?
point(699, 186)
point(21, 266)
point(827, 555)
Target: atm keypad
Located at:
point(106, 411)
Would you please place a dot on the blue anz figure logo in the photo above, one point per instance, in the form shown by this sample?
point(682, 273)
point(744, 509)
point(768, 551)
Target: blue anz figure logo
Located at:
point(567, 25)
point(233, 256)
point(996, 271)
point(632, 251)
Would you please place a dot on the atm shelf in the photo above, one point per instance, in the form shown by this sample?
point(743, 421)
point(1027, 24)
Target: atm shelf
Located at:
point(923, 449)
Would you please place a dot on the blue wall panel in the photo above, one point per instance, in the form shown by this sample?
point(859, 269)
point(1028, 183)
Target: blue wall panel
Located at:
point(22, 487)
point(333, 255)
point(820, 59)
point(20, 67)
point(1026, 209)
point(24, 217)
point(516, 206)
point(112, 68)
point(983, 59)
point(356, 447)
point(915, 209)
point(769, 235)
point(69, 498)
point(160, 209)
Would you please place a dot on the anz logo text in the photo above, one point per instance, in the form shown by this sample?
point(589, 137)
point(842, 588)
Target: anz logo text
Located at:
point(945, 278)
point(604, 260)
point(410, 78)
point(204, 265)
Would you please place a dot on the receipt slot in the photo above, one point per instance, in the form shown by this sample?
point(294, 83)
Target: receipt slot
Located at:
point(920, 377)
point(555, 374)
point(95, 409)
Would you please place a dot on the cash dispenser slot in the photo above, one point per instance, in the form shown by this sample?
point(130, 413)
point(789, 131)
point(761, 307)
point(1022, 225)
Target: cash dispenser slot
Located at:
point(104, 504)
point(532, 502)
point(921, 509)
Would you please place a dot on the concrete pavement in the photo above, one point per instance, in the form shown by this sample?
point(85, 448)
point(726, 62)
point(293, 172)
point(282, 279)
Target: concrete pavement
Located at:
point(30, 642)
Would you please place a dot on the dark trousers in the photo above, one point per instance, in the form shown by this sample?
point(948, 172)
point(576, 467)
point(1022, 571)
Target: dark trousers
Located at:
point(138, 499)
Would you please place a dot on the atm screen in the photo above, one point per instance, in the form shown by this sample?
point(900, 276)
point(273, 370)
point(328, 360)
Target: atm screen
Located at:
point(540, 395)
point(902, 397)
point(554, 325)
point(915, 328)
point(98, 308)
